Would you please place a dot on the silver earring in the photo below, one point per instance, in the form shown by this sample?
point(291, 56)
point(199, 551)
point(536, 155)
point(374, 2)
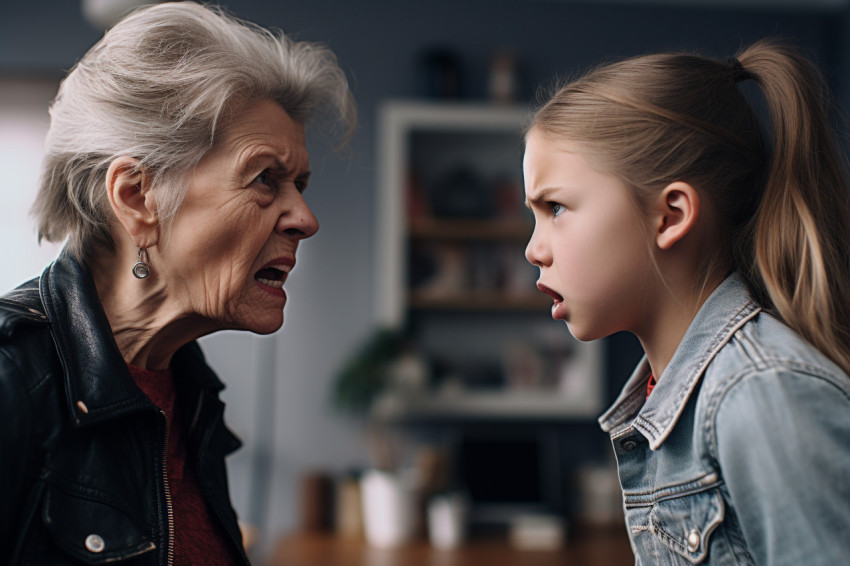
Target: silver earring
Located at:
point(141, 269)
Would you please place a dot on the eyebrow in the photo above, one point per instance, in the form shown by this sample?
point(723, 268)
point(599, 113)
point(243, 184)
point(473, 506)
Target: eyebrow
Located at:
point(541, 197)
point(279, 164)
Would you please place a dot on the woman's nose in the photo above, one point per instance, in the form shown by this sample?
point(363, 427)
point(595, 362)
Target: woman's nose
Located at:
point(297, 220)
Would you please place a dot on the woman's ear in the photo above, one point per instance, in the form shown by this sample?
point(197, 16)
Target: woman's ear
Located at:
point(677, 213)
point(128, 189)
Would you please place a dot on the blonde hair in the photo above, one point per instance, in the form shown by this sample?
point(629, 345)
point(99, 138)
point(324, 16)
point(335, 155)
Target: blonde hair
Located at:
point(158, 87)
point(783, 212)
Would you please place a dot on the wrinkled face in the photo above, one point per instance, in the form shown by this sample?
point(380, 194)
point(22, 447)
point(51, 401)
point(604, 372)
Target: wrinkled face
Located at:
point(588, 241)
point(233, 240)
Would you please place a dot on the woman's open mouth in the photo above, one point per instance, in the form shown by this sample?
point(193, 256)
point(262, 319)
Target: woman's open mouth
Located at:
point(272, 277)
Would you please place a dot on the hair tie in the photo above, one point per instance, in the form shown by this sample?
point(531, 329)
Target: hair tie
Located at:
point(739, 73)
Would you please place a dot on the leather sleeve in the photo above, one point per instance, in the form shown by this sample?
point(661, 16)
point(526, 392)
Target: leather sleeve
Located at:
point(15, 445)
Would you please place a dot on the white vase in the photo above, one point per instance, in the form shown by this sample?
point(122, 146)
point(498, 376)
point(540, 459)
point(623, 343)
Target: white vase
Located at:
point(388, 508)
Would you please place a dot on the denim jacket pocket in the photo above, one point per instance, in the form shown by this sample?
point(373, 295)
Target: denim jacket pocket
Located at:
point(685, 524)
point(91, 530)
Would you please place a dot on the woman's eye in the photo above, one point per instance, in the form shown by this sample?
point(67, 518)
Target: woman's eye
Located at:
point(555, 208)
point(263, 178)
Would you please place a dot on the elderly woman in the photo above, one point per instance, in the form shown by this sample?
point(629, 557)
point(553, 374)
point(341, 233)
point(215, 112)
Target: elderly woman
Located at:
point(175, 168)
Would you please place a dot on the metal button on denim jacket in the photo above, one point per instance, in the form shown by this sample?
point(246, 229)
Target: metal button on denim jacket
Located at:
point(741, 455)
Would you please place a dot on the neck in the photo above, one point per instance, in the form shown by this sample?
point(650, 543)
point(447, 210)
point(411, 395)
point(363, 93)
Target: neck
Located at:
point(148, 324)
point(671, 316)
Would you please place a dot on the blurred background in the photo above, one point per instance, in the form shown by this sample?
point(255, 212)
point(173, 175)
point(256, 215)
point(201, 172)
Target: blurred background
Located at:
point(415, 344)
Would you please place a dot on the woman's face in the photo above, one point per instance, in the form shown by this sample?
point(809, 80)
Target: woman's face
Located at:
point(588, 241)
point(233, 240)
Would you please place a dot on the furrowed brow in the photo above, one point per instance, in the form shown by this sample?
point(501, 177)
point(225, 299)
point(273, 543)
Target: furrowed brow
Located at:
point(540, 198)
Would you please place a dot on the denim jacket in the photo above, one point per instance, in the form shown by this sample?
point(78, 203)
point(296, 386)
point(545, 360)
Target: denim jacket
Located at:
point(741, 455)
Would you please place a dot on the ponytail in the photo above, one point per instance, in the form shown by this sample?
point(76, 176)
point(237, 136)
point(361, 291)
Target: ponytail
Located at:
point(798, 261)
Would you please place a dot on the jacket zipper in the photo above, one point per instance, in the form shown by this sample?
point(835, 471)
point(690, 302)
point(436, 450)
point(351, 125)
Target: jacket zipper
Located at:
point(169, 511)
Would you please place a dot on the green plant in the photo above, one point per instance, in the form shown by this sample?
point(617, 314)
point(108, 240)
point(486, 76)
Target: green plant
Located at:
point(365, 374)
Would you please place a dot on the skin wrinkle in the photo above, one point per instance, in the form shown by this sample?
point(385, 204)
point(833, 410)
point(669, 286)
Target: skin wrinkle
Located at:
point(228, 227)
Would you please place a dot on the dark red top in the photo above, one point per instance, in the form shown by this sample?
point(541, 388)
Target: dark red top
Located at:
point(650, 385)
point(198, 537)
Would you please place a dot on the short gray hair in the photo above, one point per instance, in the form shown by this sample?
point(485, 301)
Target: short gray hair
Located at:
point(158, 87)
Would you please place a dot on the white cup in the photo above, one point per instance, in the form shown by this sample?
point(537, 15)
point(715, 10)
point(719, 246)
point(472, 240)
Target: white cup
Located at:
point(447, 520)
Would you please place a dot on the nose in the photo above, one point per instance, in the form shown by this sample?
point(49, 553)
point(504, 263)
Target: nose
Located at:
point(536, 252)
point(297, 220)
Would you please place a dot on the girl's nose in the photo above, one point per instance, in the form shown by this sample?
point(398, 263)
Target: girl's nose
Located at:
point(536, 252)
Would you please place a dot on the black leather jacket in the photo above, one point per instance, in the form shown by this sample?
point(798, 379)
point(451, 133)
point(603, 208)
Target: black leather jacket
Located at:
point(82, 449)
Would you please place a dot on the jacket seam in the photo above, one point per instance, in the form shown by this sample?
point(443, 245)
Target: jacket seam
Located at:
point(751, 371)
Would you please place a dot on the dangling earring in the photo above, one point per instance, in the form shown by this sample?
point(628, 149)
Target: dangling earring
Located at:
point(141, 269)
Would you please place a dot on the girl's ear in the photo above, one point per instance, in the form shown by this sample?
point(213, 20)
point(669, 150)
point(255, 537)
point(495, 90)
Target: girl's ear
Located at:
point(678, 208)
point(128, 189)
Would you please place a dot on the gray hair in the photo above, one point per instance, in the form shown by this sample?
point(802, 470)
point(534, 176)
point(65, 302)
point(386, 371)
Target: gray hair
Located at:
point(158, 87)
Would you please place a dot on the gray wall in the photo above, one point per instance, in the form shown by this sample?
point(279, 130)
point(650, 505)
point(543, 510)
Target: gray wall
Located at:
point(378, 43)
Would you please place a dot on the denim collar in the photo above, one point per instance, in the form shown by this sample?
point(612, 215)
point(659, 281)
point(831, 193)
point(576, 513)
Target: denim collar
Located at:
point(728, 308)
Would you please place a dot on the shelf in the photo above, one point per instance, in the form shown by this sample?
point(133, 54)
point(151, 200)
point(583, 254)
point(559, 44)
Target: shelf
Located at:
point(485, 230)
point(480, 301)
point(530, 405)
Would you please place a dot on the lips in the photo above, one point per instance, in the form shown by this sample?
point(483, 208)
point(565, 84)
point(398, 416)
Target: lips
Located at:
point(274, 273)
point(558, 298)
point(559, 311)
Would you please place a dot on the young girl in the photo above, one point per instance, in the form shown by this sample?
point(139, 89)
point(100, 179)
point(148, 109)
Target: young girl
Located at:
point(660, 209)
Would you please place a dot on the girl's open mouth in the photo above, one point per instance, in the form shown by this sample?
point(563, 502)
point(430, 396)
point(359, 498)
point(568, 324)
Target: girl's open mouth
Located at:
point(558, 298)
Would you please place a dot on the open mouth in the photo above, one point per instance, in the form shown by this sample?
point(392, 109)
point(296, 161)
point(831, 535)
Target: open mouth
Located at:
point(558, 298)
point(273, 275)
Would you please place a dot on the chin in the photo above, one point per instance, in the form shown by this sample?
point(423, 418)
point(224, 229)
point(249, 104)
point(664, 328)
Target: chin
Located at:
point(583, 334)
point(268, 328)
point(261, 323)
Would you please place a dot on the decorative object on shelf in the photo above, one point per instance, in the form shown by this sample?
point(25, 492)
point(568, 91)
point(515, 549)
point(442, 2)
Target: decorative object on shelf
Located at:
point(523, 366)
point(442, 73)
point(504, 83)
point(461, 193)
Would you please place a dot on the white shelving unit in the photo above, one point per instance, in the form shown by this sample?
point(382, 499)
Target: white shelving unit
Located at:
point(399, 123)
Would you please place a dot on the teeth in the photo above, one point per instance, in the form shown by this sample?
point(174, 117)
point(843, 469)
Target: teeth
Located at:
point(271, 282)
point(284, 268)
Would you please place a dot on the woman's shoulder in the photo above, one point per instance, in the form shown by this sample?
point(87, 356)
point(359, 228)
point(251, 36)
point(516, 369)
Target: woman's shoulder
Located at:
point(19, 308)
point(25, 342)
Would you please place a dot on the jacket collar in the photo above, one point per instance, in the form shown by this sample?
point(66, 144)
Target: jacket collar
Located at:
point(727, 309)
point(97, 382)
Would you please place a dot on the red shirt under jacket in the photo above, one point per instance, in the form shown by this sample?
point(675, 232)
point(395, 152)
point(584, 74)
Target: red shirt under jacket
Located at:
point(199, 540)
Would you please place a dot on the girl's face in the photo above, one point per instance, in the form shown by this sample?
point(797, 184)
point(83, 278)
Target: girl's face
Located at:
point(588, 241)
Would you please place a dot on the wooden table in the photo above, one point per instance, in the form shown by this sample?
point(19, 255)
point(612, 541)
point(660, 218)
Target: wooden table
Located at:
point(585, 547)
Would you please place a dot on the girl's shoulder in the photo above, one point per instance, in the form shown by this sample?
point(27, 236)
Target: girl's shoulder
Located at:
point(766, 366)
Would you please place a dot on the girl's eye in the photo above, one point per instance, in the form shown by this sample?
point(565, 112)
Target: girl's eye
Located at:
point(555, 208)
